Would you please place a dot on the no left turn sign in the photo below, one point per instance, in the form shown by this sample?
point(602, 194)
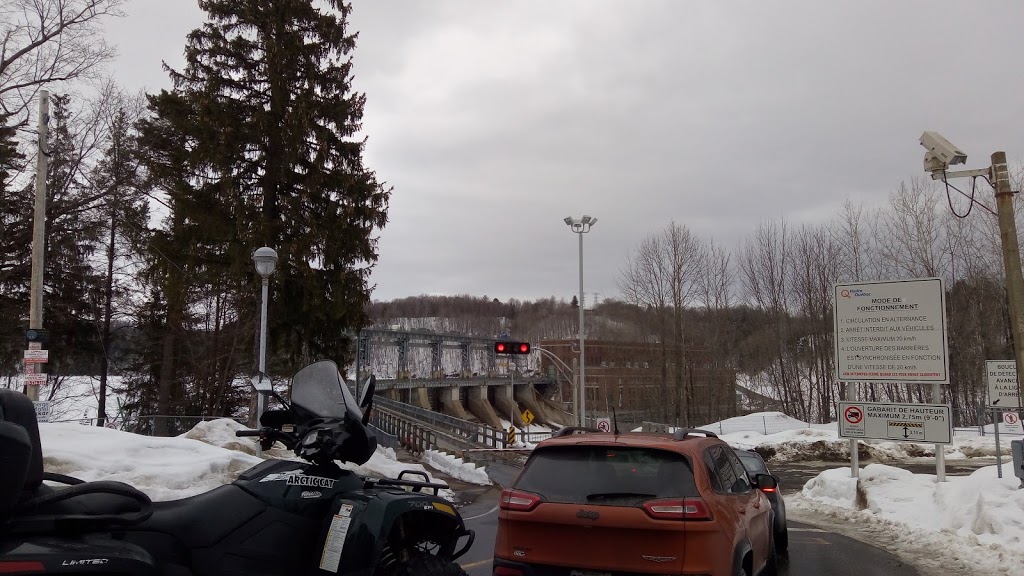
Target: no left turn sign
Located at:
point(853, 414)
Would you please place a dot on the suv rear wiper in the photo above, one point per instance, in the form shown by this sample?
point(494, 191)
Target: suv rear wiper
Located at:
point(610, 495)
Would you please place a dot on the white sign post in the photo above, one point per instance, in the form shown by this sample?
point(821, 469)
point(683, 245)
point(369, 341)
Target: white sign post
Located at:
point(891, 331)
point(926, 423)
point(1003, 389)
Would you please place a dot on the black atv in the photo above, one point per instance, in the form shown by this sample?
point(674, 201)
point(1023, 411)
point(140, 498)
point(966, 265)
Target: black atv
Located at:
point(281, 517)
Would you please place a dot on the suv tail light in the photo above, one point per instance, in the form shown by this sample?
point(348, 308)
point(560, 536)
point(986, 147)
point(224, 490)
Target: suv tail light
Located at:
point(518, 501)
point(12, 566)
point(684, 509)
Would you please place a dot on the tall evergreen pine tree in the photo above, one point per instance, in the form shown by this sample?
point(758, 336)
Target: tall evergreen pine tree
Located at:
point(255, 145)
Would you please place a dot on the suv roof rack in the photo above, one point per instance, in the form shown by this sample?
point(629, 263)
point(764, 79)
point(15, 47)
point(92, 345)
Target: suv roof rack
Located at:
point(683, 433)
point(570, 430)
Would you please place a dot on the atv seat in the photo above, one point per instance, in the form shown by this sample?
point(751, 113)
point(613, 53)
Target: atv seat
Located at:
point(26, 502)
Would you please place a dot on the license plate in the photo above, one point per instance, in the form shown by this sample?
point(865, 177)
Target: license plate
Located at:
point(588, 573)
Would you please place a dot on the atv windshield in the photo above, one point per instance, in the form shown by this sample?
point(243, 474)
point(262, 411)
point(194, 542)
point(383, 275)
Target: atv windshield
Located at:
point(319, 389)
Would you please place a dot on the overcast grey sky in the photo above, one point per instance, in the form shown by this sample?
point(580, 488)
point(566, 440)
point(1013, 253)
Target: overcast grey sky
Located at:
point(495, 120)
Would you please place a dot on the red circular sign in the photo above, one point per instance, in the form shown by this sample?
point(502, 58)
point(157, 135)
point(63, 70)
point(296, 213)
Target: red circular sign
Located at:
point(1011, 418)
point(853, 414)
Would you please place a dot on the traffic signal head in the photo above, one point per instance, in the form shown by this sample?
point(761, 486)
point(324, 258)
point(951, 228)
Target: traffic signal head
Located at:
point(511, 347)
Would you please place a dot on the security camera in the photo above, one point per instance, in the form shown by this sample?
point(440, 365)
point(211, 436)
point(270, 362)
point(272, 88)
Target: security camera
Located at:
point(941, 152)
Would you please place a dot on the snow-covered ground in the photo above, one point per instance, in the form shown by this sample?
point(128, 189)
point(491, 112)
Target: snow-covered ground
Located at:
point(456, 468)
point(75, 398)
point(789, 439)
point(207, 456)
point(970, 523)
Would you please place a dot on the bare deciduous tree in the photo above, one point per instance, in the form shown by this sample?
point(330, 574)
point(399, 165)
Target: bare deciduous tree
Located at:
point(48, 41)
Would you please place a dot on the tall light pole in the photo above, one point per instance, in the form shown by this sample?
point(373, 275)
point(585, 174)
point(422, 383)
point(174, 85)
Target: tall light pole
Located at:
point(581, 227)
point(266, 260)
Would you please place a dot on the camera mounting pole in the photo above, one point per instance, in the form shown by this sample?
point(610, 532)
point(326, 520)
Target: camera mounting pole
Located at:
point(1011, 255)
point(940, 155)
point(998, 175)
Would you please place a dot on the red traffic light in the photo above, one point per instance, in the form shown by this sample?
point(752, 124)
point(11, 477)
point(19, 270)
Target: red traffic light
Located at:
point(511, 347)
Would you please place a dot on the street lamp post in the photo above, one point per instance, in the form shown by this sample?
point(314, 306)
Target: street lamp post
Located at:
point(266, 260)
point(581, 227)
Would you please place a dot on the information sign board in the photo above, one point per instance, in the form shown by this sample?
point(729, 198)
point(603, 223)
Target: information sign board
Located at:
point(928, 423)
point(893, 331)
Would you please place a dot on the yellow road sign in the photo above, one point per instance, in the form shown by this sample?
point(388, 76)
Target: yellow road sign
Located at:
point(511, 434)
point(528, 416)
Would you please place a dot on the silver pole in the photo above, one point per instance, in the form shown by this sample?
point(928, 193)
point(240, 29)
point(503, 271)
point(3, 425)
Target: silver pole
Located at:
point(999, 455)
point(263, 356)
point(940, 449)
point(852, 394)
point(583, 363)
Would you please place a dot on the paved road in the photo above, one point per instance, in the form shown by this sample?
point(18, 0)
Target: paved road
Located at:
point(813, 551)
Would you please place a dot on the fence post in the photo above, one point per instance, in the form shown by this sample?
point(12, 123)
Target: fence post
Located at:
point(764, 421)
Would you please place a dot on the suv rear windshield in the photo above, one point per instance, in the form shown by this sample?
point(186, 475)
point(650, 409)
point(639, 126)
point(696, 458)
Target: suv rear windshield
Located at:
point(606, 475)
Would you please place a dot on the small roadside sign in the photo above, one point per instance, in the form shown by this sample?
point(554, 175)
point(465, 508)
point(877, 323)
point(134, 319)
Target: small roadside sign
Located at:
point(928, 423)
point(35, 379)
point(42, 410)
point(604, 424)
point(1003, 389)
point(528, 417)
point(1012, 424)
point(36, 356)
point(511, 434)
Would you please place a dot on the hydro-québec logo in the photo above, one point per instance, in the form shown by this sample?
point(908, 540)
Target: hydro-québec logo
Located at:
point(853, 293)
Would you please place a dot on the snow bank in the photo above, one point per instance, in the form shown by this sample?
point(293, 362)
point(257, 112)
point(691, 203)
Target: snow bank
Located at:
point(163, 468)
point(794, 440)
point(383, 463)
point(456, 468)
point(764, 422)
point(200, 460)
point(824, 444)
point(977, 520)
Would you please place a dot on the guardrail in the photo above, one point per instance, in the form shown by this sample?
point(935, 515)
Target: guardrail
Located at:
point(413, 383)
point(479, 435)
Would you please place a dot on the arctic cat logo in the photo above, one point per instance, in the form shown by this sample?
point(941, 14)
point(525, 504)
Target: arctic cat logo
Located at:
point(279, 476)
point(298, 478)
point(90, 562)
point(311, 481)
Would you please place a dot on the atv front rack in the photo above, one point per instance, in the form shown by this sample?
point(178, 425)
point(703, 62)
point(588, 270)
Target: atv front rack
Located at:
point(414, 484)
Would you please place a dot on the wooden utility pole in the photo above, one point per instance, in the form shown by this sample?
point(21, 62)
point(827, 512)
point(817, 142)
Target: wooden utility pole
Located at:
point(35, 315)
point(1011, 254)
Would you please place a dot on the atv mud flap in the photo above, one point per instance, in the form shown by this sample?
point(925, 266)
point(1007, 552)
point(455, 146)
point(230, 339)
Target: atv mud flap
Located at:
point(74, 555)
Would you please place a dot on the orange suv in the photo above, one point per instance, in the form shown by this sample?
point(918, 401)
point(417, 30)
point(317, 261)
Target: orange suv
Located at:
point(592, 503)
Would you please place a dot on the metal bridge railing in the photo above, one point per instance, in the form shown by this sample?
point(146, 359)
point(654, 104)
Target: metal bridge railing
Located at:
point(473, 434)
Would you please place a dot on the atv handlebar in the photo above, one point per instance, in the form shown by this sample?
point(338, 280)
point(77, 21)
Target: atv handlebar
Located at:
point(268, 436)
